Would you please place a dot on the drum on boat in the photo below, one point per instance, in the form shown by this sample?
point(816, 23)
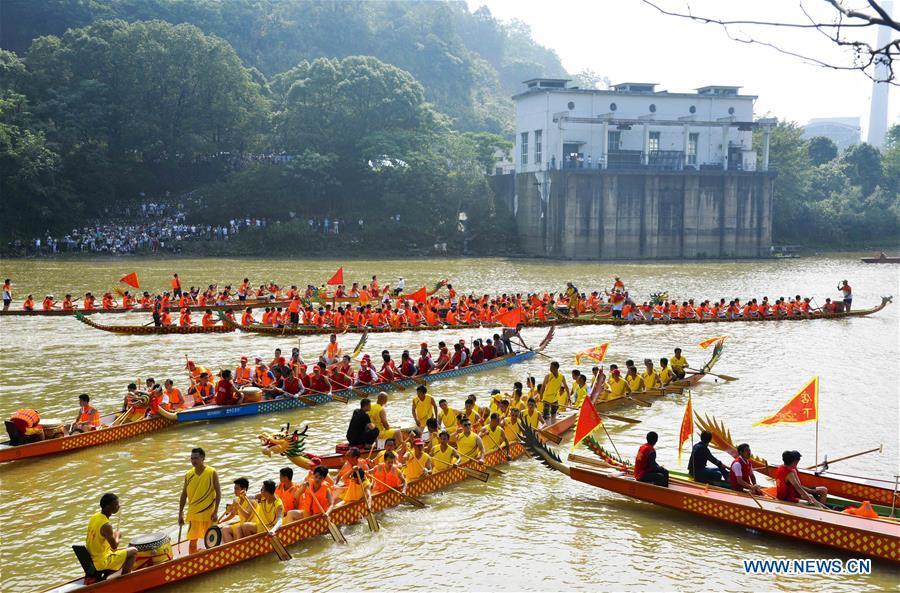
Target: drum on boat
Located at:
point(213, 536)
point(155, 548)
point(252, 394)
point(53, 429)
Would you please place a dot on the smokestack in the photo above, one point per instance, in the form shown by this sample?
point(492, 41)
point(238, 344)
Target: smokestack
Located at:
point(878, 114)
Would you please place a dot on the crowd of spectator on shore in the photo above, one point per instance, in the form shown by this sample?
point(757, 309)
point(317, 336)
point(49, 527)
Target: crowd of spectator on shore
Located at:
point(151, 226)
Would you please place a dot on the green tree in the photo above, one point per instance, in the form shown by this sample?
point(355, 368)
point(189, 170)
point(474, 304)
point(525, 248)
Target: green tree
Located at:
point(486, 146)
point(789, 157)
point(862, 165)
point(821, 150)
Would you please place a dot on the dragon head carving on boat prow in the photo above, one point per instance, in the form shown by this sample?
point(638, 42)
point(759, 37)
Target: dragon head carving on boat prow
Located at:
point(721, 438)
point(613, 460)
point(287, 444)
point(540, 451)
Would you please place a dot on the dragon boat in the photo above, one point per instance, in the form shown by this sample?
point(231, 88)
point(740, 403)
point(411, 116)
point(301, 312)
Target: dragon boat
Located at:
point(314, 330)
point(605, 320)
point(184, 565)
point(236, 305)
point(836, 503)
point(320, 295)
point(117, 432)
point(288, 403)
point(874, 490)
point(853, 534)
point(148, 330)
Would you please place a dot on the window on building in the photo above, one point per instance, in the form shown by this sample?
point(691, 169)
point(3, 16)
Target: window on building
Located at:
point(693, 140)
point(614, 141)
point(653, 143)
point(524, 148)
point(537, 146)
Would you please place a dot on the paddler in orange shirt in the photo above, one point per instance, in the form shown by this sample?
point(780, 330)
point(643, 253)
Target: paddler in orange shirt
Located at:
point(166, 318)
point(28, 305)
point(208, 320)
point(88, 417)
point(48, 303)
point(88, 302)
point(332, 352)
point(185, 319)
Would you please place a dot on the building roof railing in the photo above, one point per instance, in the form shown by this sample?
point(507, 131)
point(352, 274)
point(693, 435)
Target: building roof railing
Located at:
point(627, 122)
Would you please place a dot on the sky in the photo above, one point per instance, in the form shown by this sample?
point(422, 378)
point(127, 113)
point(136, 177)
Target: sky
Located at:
point(629, 41)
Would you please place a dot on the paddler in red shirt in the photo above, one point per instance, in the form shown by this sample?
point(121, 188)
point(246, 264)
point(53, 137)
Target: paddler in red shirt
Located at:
point(226, 394)
point(788, 486)
point(645, 467)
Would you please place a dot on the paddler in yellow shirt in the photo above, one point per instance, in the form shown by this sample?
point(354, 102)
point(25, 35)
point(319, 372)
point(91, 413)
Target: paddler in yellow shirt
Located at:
point(447, 416)
point(468, 444)
point(650, 376)
point(581, 390)
point(554, 391)
point(618, 386)
point(239, 509)
point(423, 407)
point(665, 372)
point(202, 494)
point(494, 437)
point(102, 540)
point(511, 425)
point(634, 381)
point(532, 416)
point(378, 416)
point(517, 400)
point(418, 462)
point(678, 364)
point(443, 455)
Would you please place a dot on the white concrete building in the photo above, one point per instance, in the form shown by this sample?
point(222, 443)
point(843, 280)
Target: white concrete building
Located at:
point(634, 126)
point(843, 131)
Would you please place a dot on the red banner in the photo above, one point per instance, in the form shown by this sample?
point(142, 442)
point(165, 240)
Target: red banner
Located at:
point(338, 277)
point(687, 426)
point(588, 420)
point(131, 280)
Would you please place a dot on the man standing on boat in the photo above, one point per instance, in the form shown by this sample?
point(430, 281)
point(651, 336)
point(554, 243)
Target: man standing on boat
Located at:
point(700, 456)
point(552, 390)
point(202, 494)
point(845, 289)
point(102, 540)
point(645, 467)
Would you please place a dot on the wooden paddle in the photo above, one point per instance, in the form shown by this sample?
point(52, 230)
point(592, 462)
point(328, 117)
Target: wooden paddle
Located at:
point(277, 544)
point(395, 384)
point(711, 374)
point(489, 468)
point(625, 419)
point(333, 529)
point(474, 473)
point(412, 500)
point(638, 401)
point(830, 461)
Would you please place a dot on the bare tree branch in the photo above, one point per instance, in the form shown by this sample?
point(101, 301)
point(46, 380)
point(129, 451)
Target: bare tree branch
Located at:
point(864, 56)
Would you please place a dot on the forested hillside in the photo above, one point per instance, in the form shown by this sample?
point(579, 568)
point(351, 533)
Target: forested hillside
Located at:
point(468, 63)
point(285, 109)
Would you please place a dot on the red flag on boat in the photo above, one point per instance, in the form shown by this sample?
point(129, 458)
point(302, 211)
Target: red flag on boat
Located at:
point(710, 341)
point(588, 420)
point(338, 277)
point(803, 407)
point(420, 296)
point(131, 280)
point(511, 318)
point(687, 426)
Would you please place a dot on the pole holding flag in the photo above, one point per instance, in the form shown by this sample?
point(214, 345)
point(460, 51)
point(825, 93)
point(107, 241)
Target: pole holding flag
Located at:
point(131, 280)
point(338, 277)
point(687, 427)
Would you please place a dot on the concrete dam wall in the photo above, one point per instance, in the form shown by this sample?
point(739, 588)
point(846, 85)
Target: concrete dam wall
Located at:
point(603, 214)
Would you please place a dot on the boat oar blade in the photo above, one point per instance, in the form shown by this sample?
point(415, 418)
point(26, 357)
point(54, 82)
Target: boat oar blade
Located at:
point(553, 438)
point(335, 532)
point(474, 473)
point(340, 398)
point(279, 548)
point(639, 401)
point(621, 418)
point(373, 522)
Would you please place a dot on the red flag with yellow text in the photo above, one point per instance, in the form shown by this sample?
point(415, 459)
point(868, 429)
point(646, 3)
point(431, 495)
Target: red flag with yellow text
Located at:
point(338, 277)
point(803, 407)
point(511, 318)
point(131, 280)
point(597, 353)
point(687, 426)
point(588, 420)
